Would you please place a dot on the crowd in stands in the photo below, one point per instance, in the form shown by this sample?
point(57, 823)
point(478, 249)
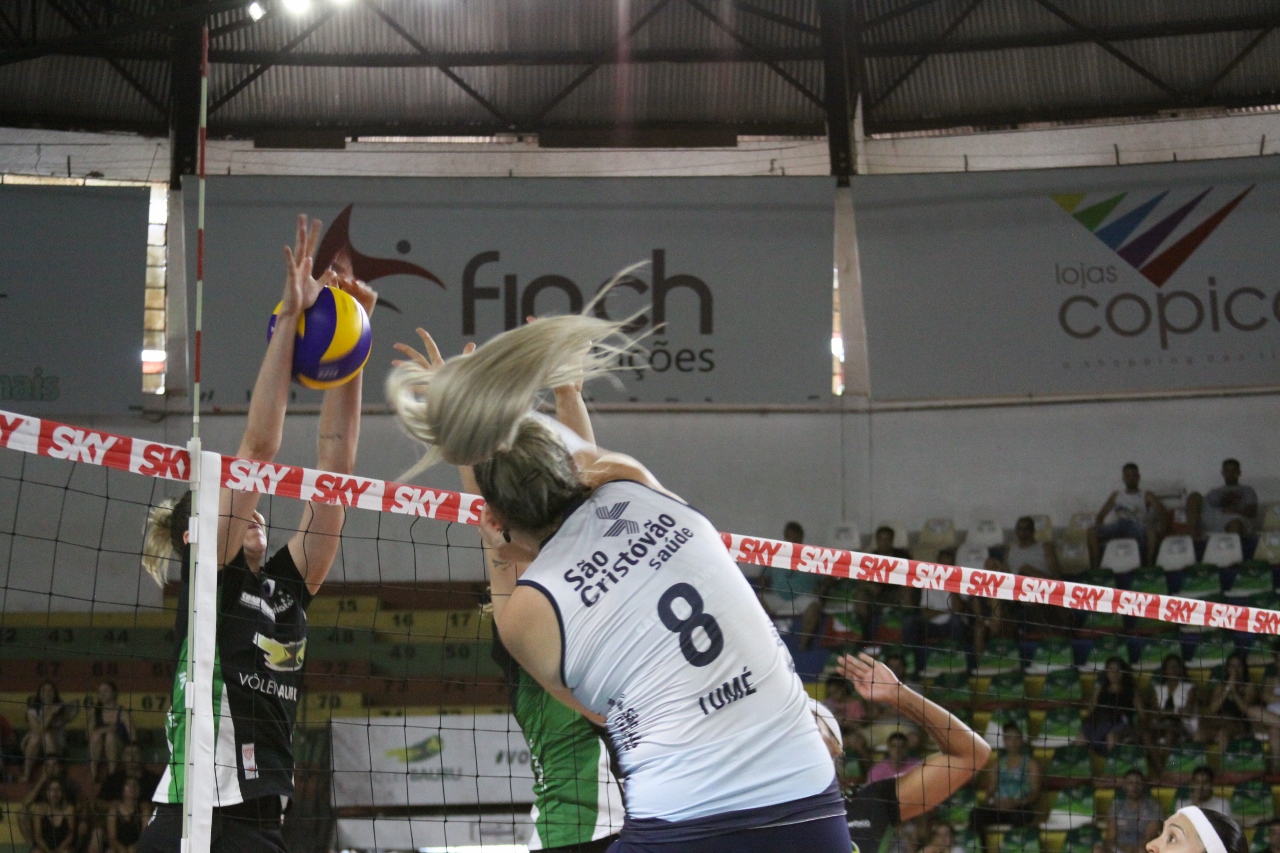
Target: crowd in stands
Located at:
point(1103, 725)
point(86, 788)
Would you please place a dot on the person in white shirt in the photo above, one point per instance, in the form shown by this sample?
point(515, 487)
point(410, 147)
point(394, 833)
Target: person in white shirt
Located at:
point(1230, 508)
point(1129, 513)
point(1201, 793)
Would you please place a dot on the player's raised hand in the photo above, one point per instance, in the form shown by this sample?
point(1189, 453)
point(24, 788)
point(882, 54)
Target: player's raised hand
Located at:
point(874, 681)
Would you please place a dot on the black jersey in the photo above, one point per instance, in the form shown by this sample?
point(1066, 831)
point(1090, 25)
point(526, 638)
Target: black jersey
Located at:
point(257, 675)
point(873, 814)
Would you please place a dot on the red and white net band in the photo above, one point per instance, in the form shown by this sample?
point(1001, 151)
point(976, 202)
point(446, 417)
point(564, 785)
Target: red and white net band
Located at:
point(80, 444)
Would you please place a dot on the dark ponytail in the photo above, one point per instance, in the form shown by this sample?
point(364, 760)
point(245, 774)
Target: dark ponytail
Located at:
point(1230, 833)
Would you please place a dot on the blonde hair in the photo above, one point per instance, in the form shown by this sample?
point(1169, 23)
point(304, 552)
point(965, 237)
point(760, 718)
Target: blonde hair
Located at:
point(163, 540)
point(471, 407)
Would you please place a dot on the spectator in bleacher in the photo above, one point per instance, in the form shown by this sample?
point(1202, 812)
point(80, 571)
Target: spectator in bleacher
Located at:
point(52, 771)
point(897, 760)
point(1129, 513)
point(1233, 697)
point(1025, 556)
point(1273, 837)
point(110, 729)
point(885, 720)
point(1114, 708)
point(47, 718)
point(1230, 508)
point(127, 817)
point(942, 839)
point(1174, 714)
point(1266, 713)
point(1200, 793)
point(54, 821)
point(891, 595)
point(1012, 786)
point(785, 593)
point(939, 618)
point(1136, 818)
point(131, 767)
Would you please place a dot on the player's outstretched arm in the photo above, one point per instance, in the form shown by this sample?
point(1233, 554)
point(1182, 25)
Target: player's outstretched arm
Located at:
point(963, 753)
point(261, 440)
point(315, 545)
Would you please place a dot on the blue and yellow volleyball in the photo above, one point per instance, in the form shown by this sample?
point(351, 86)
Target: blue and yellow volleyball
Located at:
point(334, 340)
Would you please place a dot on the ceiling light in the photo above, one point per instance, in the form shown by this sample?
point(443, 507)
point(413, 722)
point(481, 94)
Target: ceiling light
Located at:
point(297, 7)
point(256, 11)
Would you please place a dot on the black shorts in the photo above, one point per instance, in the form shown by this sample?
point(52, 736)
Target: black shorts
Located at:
point(826, 835)
point(251, 827)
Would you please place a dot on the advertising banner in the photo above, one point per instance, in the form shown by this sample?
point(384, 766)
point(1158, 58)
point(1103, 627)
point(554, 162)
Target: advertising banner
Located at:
point(733, 298)
point(448, 760)
point(1072, 281)
point(73, 266)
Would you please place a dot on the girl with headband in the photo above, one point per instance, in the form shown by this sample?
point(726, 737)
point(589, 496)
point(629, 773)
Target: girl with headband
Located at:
point(1197, 830)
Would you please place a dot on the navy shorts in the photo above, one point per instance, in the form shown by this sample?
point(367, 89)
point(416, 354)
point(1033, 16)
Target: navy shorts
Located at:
point(825, 835)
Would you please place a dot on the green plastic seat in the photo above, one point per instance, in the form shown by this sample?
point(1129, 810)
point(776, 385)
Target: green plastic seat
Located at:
point(1251, 803)
point(1008, 687)
point(1104, 649)
point(1071, 807)
point(1201, 581)
point(1243, 758)
point(1051, 656)
point(1062, 725)
point(1071, 762)
point(952, 687)
point(1062, 686)
point(956, 809)
point(1149, 579)
point(1001, 656)
point(944, 658)
point(1123, 758)
point(1182, 762)
point(1082, 839)
point(1022, 839)
point(1213, 651)
point(1102, 624)
point(1099, 577)
point(1154, 652)
point(1252, 578)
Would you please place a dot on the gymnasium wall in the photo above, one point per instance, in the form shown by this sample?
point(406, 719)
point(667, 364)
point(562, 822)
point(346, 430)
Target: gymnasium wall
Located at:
point(747, 472)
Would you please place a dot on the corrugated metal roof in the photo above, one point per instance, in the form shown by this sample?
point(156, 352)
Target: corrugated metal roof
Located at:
point(689, 62)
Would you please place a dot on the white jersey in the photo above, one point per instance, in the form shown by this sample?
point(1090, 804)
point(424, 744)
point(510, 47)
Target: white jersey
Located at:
point(663, 636)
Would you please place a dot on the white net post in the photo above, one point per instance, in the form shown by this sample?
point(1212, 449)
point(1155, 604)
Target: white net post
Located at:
point(198, 773)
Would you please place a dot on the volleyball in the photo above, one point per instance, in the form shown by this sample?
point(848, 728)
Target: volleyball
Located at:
point(334, 340)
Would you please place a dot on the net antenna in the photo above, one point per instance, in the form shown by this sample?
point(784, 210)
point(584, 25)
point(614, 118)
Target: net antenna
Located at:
point(198, 770)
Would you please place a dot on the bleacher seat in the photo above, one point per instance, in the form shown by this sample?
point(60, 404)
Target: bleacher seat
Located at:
point(1069, 765)
point(1079, 526)
point(1149, 579)
point(1062, 725)
point(901, 535)
point(951, 688)
point(956, 809)
point(1100, 577)
point(1001, 656)
point(1073, 556)
point(1044, 528)
point(1268, 547)
point(1022, 839)
point(937, 533)
point(1051, 656)
point(1181, 761)
point(1082, 839)
point(1121, 556)
point(1252, 578)
point(1212, 651)
point(1062, 686)
point(1070, 808)
point(1007, 688)
point(1243, 760)
point(1271, 518)
point(1151, 659)
point(1123, 758)
point(1176, 553)
point(1104, 649)
point(971, 555)
point(985, 532)
point(1223, 550)
point(1201, 581)
point(944, 658)
point(1251, 803)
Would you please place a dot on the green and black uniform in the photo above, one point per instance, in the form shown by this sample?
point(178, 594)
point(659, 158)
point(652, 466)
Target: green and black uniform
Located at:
point(577, 800)
point(873, 816)
point(257, 676)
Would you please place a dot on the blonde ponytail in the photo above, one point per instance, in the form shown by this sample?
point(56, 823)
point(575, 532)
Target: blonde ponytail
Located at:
point(472, 406)
point(163, 540)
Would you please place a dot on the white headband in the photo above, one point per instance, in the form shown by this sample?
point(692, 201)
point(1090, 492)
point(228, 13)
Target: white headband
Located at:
point(1208, 835)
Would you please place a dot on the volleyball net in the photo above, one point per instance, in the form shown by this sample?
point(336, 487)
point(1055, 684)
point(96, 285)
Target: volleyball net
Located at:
point(406, 737)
